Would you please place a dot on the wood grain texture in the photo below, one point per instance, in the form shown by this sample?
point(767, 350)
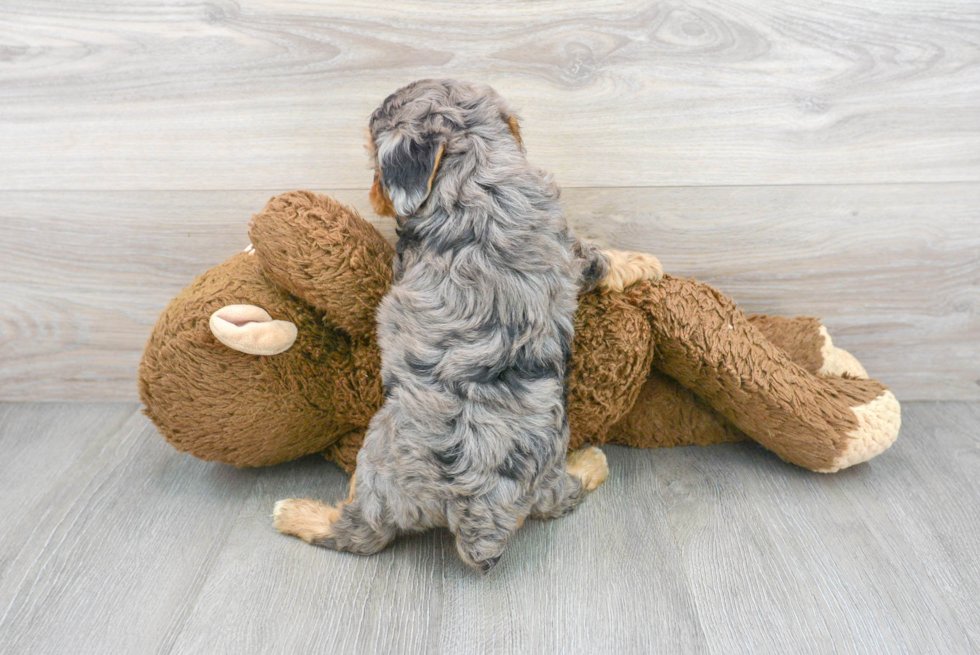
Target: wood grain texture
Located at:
point(418, 597)
point(42, 446)
point(313, 600)
point(112, 542)
point(926, 491)
point(821, 566)
point(107, 548)
point(893, 270)
point(605, 579)
point(123, 94)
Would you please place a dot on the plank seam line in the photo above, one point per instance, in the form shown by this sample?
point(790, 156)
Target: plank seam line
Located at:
point(274, 189)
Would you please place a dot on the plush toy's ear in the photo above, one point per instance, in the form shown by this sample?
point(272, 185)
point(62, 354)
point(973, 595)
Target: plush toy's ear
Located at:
point(251, 330)
point(408, 168)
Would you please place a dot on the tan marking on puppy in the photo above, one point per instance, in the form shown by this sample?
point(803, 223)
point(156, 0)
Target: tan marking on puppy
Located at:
point(435, 167)
point(626, 268)
point(515, 129)
point(588, 465)
point(520, 522)
point(305, 518)
point(380, 201)
point(369, 143)
point(353, 484)
point(837, 362)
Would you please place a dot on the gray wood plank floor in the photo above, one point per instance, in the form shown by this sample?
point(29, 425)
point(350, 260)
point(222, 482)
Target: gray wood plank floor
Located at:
point(112, 542)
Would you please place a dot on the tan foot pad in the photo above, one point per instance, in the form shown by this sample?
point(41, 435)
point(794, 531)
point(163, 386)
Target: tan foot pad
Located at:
point(837, 362)
point(589, 465)
point(878, 424)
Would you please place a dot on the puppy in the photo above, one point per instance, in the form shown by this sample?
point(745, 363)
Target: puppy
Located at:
point(475, 335)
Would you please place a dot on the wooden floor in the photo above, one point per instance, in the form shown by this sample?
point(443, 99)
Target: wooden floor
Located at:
point(111, 542)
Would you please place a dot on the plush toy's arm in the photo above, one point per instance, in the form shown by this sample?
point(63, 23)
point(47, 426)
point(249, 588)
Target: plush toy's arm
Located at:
point(705, 343)
point(324, 253)
point(667, 414)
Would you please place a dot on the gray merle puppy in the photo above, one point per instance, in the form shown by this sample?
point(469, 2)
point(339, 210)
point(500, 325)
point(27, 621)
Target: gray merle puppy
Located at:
point(475, 335)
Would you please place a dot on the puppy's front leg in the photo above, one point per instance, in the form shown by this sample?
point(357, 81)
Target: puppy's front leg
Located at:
point(614, 269)
point(594, 264)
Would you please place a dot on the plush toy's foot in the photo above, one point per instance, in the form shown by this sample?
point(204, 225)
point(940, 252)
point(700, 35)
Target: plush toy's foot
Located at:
point(627, 268)
point(304, 518)
point(807, 343)
point(837, 362)
point(588, 465)
point(878, 424)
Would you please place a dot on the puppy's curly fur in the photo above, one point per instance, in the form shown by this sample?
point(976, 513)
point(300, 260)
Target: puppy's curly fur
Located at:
point(475, 336)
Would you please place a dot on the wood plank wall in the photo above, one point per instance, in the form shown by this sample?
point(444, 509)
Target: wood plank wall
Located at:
point(807, 157)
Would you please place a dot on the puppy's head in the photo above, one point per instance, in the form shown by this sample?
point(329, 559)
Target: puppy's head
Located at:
point(421, 125)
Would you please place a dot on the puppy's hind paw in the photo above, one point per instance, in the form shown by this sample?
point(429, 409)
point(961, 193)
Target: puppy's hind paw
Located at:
point(626, 268)
point(304, 518)
point(588, 465)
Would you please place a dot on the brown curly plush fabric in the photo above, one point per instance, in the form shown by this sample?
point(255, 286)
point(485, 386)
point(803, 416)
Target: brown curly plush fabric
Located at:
point(754, 384)
point(663, 404)
point(223, 405)
point(664, 364)
point(323, 252)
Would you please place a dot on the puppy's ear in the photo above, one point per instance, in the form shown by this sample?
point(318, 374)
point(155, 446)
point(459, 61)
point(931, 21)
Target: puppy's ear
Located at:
point(408, 168)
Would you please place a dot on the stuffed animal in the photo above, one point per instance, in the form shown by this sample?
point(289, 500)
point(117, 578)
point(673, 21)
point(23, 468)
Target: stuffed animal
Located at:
point(272, 355)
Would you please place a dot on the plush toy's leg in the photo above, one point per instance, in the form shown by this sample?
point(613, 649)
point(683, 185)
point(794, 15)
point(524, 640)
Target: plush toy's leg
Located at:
point(608, 327)
point(807, 342)
point(706, 343)
point(343, 452)
point(666, 414)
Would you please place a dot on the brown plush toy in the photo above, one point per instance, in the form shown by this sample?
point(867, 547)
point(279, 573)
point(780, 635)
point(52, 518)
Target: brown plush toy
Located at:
point(272, 355)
